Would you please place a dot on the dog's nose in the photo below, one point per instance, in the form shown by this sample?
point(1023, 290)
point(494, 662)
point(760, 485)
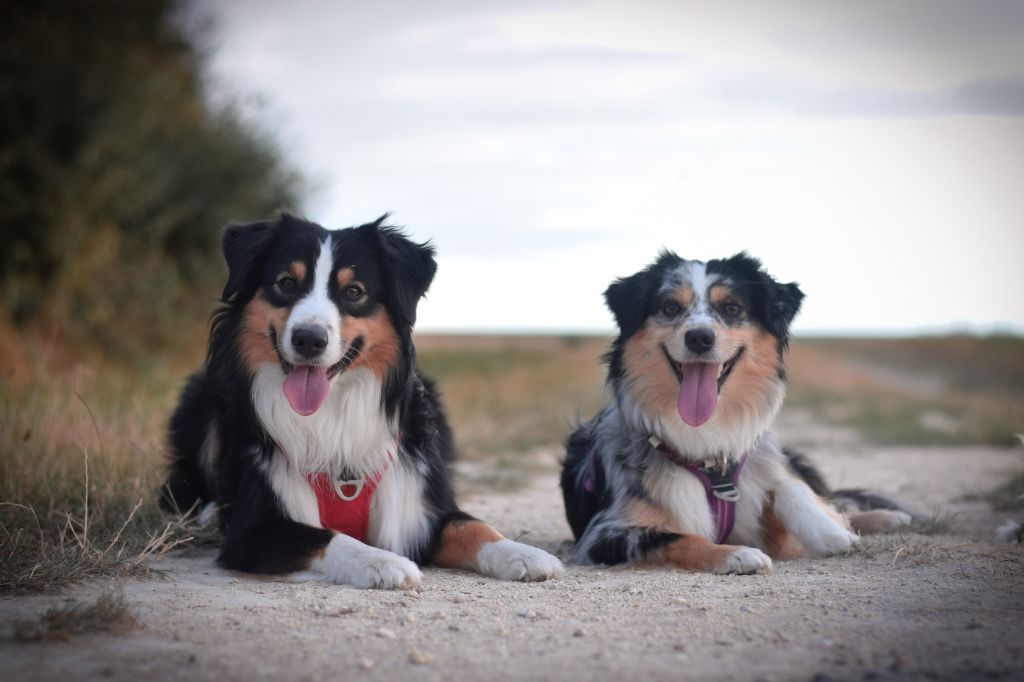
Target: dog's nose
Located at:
point(699, 340)
point(309, 340)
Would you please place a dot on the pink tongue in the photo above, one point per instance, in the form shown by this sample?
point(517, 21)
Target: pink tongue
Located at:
point(306, 388)
point(698, 392)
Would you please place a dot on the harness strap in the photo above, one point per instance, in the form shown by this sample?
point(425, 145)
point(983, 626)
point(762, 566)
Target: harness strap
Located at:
point(345, 505)
point(720, 485)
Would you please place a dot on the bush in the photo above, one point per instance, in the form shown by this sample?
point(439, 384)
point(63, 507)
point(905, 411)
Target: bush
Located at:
point(116, 172)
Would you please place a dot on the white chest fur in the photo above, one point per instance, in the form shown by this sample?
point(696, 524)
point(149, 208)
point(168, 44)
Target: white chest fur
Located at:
point(348, 433)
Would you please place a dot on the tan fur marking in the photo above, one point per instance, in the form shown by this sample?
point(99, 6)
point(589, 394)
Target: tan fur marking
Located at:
point(317, 554)
point(719, 293)
point(873, 522)
point(345, 276)
point(298, 270)
point(755, 375)
point(691, 553)
point(640, 514)
point(461, 541)
point(683, 296)
point(380, 341)
point(779, 543)
point(648, 375)
point(254, 336)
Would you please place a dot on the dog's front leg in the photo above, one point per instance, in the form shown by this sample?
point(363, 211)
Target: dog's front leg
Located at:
point(349, 561)
point(821, 530)
point(285, 546)
point(471, 544)
point(609, 541)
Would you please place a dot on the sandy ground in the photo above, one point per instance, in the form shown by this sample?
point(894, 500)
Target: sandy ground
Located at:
point(948, 607)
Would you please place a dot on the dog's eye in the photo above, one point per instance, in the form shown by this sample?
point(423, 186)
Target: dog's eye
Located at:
point(288, 284)
point(731, 309)
point(671, 309)
point(353, 292)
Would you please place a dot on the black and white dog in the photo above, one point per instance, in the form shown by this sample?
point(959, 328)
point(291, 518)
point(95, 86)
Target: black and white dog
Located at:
point(310, 426)
point(681, 468)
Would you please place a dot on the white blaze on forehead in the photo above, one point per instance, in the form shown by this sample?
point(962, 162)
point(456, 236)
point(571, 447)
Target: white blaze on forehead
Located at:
point(695, 275)
point(317, 308)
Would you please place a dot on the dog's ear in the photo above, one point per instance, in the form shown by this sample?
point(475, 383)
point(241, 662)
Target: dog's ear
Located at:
point(778, 302)
point(411, 268)
point(244, 246)
point(629, 300)
point(785, 300)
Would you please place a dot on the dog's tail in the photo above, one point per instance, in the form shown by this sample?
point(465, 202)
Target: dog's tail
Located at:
point(867, 511)
point(187, 489)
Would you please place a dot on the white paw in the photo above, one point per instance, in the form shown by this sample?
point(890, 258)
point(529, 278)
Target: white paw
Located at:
point(509, 560)
point(898, 519)
point(208, 515)
point(348, 561)
point(746, 560)
point(388, 571)
point(829, 541)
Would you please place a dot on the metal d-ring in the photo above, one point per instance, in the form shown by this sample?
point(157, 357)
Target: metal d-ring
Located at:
point(357, 482)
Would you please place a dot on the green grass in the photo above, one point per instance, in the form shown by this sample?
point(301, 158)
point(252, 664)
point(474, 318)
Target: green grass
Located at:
point(108, 612)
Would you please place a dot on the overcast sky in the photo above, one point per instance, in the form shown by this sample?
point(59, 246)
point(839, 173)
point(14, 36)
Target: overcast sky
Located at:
point(872, 151)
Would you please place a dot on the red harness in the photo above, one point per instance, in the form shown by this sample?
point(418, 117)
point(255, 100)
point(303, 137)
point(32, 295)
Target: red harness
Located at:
point(345, 505)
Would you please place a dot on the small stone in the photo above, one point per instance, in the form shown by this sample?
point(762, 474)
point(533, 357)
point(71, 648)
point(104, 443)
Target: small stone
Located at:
point(408, 618)
point(526, 613)
point(420, 658)
point(460, 598)
point(454, 627)
point(385, 633)
point(679, 646)
point(682, 601)
point(367, 664)
point(578, 632)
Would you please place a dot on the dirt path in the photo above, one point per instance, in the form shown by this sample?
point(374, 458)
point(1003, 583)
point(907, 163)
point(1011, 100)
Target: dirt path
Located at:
point(947, 606)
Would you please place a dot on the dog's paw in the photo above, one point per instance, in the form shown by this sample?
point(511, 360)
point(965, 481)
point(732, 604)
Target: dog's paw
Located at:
point(746, 560)
point(510, 560)
point(897, 519)
point(388, 571)
point(878, 521)
point(350, 562)
point(830, 540)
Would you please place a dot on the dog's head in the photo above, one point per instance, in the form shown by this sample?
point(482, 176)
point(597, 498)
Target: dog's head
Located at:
point(701, 344)
point(319, 302)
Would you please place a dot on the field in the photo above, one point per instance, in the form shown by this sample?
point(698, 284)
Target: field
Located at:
point(82, 442)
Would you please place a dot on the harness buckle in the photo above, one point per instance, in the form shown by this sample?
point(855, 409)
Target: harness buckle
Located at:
point(357, 482)
point(730, 494)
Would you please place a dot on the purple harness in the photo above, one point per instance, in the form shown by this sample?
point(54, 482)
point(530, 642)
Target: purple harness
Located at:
point(719, 486)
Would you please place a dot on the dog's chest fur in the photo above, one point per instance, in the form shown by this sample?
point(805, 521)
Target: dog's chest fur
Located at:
point(348, 435)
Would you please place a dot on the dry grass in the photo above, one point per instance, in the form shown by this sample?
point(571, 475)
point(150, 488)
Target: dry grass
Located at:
point(940, 522)
point(109, 612)
point(932, 391)
point(82, 438)
point(509, 395)
point(81, 461)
